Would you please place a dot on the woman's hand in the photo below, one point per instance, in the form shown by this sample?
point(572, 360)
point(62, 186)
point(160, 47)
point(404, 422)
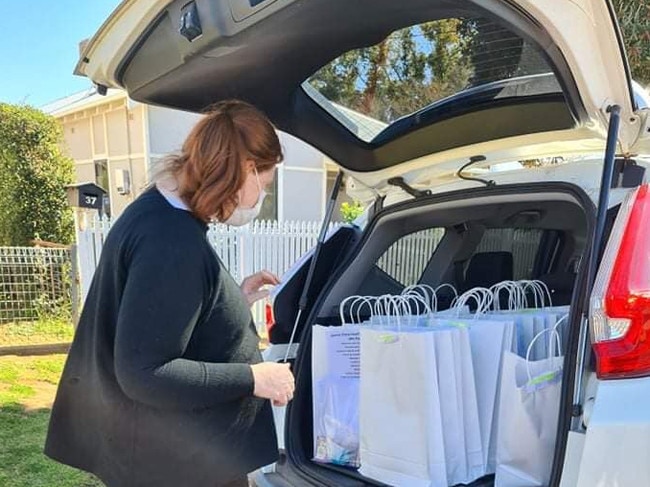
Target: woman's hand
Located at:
point(273, 381)
point(252, 286)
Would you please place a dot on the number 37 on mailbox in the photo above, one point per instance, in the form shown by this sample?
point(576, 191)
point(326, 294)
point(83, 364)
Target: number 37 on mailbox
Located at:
point(86, 195)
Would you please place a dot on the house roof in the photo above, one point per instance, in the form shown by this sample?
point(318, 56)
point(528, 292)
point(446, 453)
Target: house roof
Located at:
point(80, 101)
point(362, 125)
point(365, 127)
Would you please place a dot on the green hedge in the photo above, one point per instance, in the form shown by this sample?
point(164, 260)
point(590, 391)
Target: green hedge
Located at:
point(33, 176)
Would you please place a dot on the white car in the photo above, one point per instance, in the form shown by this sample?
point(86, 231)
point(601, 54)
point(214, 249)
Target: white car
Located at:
point(506, 132)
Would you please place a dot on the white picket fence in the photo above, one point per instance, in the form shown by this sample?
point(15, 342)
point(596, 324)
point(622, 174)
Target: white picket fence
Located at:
point(90, 242)
point(273, 246)
point(266, 245)
point(406, 259)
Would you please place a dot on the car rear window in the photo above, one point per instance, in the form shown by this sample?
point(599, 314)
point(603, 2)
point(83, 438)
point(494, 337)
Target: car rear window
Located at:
point(453, 62)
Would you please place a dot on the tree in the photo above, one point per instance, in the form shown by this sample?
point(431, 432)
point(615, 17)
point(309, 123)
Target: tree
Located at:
point(634, 19)
point(497, 54)
point(407, 71)
point(419, 65)
point(33, 176)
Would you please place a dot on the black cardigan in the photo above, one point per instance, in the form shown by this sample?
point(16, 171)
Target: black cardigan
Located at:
point(157, 389)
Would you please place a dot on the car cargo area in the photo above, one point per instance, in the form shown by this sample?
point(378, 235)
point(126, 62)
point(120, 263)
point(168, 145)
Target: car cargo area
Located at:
point(404, 372)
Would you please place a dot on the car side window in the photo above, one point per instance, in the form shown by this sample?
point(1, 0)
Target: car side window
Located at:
point(522, 243)
point(407, 258)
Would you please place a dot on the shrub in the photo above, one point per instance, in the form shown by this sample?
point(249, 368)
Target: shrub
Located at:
point(33, 176)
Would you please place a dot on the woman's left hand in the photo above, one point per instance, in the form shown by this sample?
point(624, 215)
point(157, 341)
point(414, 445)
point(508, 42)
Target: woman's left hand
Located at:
point(251, 286)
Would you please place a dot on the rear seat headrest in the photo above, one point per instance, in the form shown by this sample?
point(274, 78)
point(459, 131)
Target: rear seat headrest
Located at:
point(488, 268)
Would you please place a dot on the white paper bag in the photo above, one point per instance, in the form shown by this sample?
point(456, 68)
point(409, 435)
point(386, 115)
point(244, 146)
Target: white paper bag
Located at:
point(489, 340)
point(524, 331)
point(528, 417)
point(542, 319)
point(400, 418)
point(458, 402)
point(335, 379)
point(557, 318)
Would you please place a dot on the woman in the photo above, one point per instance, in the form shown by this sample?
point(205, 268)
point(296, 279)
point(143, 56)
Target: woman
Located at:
point(164, 384)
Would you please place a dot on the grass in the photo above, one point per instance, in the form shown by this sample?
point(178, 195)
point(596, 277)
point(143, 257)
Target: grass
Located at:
point(44, 331)
point(27, 387)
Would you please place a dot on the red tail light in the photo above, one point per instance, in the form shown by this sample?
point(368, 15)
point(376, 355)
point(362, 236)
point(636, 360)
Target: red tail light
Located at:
point(620, 303)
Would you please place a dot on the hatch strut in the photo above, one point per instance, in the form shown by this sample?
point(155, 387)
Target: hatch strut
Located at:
point(302, 303)
point(597, 243)
point(400, 183)
point(603, 199)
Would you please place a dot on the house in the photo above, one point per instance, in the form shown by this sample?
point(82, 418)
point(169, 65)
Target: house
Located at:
point(115, 142)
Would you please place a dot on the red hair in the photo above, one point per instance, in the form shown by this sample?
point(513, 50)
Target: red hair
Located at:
point(211, 167)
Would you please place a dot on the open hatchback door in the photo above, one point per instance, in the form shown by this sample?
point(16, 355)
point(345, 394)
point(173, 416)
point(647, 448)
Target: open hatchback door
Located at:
point(520, 78)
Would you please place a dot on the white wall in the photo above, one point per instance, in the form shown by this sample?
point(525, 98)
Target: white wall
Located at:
point(168, 129)
point(302, 181)
point(112, 132)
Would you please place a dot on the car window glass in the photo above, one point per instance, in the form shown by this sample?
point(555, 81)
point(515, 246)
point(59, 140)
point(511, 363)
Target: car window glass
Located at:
point(418, 67)
point(406, 259)
point(521, 243)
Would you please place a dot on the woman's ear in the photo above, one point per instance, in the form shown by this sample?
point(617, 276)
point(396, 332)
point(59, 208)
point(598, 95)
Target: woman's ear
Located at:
point(249, 165)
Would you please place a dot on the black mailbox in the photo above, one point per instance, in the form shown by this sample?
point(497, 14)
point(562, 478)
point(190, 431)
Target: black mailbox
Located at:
point(86, 195)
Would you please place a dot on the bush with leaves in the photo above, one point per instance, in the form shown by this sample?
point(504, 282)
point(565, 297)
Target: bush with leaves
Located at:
point(350, 211)
point(634, 19)
point(33, 176)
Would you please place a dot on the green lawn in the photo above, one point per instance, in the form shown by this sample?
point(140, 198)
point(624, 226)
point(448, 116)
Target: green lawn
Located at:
point(27, 387)
point(36, 333)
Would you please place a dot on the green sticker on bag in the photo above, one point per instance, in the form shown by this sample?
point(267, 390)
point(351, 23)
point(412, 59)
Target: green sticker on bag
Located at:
point(549, 376)
point(387, 339)
point(458, 324)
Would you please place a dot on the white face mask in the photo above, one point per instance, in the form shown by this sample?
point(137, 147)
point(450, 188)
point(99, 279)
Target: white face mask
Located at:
point(243, 216)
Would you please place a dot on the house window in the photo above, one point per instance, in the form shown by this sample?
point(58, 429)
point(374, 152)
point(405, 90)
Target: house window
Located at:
point(269, 209)
point(101, 173)
point(101, 179)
